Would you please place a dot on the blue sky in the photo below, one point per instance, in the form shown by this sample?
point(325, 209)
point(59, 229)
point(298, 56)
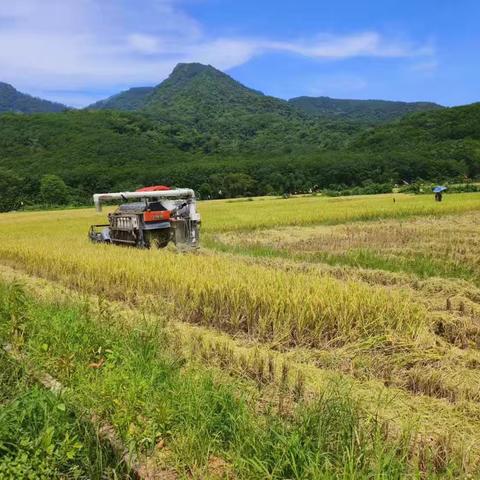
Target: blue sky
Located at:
point(78, 51)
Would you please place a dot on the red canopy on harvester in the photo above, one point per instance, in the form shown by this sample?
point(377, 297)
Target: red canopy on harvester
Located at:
point(156, 188)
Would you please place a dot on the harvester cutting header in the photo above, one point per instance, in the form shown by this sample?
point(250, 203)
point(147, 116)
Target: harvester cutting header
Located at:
point(157, 216)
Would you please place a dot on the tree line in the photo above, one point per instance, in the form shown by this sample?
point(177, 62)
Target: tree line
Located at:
point(75, 154)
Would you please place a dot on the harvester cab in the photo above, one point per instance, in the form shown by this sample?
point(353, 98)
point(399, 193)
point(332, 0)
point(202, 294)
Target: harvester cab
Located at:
point(155, 217)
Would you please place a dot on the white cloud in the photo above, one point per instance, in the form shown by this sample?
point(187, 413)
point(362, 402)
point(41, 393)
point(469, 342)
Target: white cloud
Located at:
point(427, 67)
point(339, 47)
point(147, 44)
point(87, 45)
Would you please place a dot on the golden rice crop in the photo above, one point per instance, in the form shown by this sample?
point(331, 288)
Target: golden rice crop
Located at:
point(294, 304)
point(294, 308)
point(272, 212)
point(444, 246)
point(456, 236)
point(260, 301)
point(268, 212)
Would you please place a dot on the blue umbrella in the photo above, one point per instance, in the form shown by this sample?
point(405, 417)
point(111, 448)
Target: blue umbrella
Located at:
point(439, 189)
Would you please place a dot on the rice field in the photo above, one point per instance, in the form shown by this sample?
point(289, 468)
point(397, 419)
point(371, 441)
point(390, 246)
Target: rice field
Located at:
point(428, 246)
point(309, 337)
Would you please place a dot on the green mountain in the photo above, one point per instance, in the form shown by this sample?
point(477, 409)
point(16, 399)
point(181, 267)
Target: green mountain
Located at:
point(209, 87)
point(193, 89)
point(366, 111)
point(11, 100)
point(213, 109)
point(200, 128)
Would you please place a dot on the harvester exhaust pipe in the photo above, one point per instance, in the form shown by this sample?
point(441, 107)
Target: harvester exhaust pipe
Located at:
point(98, 198)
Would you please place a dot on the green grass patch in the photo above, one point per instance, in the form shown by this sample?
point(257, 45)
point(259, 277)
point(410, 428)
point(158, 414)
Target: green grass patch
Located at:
point(139, 380)
point(41, 437)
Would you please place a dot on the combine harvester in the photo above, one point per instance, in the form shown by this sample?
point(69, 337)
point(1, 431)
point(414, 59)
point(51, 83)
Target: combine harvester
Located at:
point(158, 216)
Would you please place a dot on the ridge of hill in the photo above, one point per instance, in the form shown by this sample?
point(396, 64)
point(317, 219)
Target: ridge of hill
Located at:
point(193, 91)
point(11, 100)
point(129, 100)
point(368, 111)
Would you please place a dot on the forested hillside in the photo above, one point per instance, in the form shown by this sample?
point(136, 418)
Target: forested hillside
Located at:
point(371, 112)
point(207, 98)
point(220, 114)
point(91, 151)
point(443, 143)
point(97, 151)
point(202, 129)
point(11, 100)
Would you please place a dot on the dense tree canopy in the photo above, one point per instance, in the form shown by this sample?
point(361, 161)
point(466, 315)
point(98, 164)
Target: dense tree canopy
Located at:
point(100, 151)
point(10, 190)
point(53, 190)
point(203, 130)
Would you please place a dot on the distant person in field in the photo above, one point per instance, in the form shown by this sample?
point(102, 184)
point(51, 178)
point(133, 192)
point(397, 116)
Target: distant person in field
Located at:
point(438, 196)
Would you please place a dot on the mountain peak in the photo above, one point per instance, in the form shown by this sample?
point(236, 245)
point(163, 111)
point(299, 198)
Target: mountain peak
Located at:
point(185, 73)
point(200, 83)
point(7, 89)
point(193, 69)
